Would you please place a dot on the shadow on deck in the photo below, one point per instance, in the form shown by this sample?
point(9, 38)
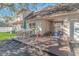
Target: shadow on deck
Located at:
point(47, 45)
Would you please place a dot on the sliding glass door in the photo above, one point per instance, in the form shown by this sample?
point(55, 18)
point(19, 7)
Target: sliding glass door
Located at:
point(57, 29)
point(74, 35)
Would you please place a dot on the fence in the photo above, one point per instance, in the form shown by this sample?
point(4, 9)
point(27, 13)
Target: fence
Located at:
point(5, 29)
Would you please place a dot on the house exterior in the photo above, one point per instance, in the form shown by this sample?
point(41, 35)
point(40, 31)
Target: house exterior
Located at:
point(62, 19)
point(47, 17)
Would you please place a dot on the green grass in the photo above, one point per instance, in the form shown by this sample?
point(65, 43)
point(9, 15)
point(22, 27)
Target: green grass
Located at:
point(6, 35)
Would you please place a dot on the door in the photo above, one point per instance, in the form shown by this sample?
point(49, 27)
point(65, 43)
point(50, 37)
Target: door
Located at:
point(74, 35)
point(57, 29)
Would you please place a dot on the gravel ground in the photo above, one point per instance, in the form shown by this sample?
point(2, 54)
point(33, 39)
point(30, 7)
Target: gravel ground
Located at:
point(15, 48)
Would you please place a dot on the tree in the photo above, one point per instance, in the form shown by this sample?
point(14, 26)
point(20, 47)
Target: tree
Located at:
point(13, 6)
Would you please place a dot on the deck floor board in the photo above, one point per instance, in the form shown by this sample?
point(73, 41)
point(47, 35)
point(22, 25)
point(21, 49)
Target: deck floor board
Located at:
point(48, 45)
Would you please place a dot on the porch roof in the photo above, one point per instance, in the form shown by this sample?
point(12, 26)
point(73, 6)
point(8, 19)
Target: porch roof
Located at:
point(55, 17)
point(55, 11)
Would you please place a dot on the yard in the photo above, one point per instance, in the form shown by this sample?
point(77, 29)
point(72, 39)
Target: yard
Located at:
point(6, 35)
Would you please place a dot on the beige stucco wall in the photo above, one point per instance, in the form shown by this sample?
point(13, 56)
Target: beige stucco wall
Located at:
point(44, 26)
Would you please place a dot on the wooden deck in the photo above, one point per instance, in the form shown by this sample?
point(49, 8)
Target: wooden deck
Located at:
point(46, 44)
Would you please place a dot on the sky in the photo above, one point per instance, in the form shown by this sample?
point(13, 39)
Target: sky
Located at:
point(7, 12)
